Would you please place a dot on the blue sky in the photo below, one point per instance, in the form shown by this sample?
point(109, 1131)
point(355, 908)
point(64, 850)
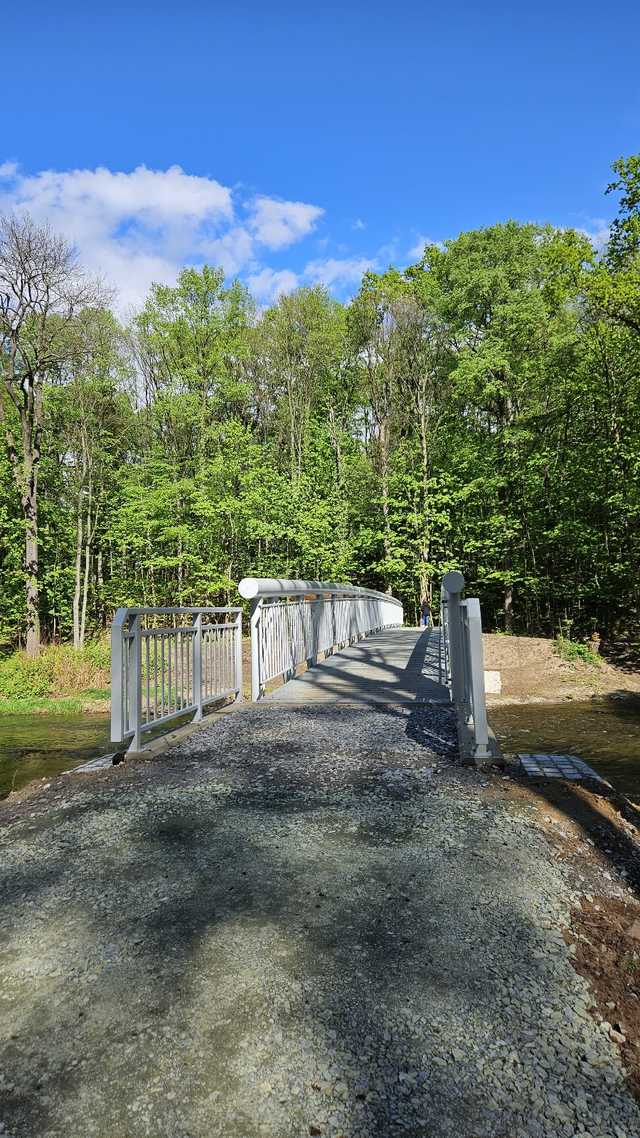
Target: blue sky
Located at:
point(296, 143)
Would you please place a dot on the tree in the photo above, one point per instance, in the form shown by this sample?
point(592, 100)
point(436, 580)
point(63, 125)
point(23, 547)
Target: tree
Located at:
point(405, 354)
point(41, 291)
point(300, 346)
point(480, 410)
point(90, 421)
point(507, 298)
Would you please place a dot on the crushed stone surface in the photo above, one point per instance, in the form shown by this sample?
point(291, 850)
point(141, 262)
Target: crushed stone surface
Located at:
point(301, 921)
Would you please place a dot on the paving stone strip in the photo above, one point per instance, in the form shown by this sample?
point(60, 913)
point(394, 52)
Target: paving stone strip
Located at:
point(300, 921)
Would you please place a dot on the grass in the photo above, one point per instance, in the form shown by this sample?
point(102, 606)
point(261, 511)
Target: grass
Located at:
point(55, 705)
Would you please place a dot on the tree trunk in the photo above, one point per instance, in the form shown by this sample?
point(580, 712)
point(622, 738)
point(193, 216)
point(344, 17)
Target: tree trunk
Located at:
point(78, 575)
point(508, 419)
point(335, 443)
point(384, 480)
point(425, 544)
point(100, 589)
point(32, 582)
point(89, 533)
point(508, 608)
point(85, 589)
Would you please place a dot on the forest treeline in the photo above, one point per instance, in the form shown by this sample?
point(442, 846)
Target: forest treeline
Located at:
point(479, 410)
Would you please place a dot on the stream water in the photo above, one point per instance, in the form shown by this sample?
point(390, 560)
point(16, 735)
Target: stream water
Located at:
point(39, 746)
point(604, 732)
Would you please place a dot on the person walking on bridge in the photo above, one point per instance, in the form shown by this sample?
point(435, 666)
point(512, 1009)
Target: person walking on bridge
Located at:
point(425, 613)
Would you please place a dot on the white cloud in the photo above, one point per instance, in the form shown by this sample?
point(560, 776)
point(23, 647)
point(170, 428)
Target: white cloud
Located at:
point(233, 251)
point(417, 249)
point(143, 226)
point(132, 272)
point(278, 224)
point(598, 230)
point(268, 284)
point(338, 270)
point(151, 197)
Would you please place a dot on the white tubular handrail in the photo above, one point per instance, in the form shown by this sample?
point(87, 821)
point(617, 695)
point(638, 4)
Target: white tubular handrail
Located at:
point(293, 622)
point(170, 662)
point(462, 664)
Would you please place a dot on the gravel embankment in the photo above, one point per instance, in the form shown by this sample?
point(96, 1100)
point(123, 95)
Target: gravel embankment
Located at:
point(300, 922)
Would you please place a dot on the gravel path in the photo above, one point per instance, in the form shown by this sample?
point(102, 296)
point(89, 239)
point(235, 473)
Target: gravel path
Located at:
point(302, 921)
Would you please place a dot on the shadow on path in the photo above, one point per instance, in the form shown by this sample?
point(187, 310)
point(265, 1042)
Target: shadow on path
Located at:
point(289, 925)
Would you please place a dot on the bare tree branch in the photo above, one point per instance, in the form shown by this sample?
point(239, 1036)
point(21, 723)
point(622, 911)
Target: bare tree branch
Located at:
point(42, 292)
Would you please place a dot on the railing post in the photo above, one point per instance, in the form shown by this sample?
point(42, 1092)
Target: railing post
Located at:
point(135, 681)
point(117, 693)
point(454, 584)
point(256, 612)
point(476, 677)
point(238, 636)
point(197, 668)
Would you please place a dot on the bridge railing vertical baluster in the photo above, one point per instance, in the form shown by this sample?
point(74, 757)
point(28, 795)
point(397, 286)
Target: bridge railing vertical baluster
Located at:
point(135, 681)
point(256, 654)
point(118, 677)
point(477, 696)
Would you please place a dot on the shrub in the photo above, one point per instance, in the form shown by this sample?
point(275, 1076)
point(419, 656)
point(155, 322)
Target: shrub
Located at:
point(572, 650)
point(74, 670)
point(99, 653)
point(59, 670)
point(22, 676)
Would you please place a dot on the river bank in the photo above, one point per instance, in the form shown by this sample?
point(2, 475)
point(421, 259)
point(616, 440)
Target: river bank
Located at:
point(87, 703)
point(550, 704)
point(309, 921)
point(533, 671)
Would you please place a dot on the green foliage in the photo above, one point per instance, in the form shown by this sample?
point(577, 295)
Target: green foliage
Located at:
point(59, 671)
point(574, 650)
point(22, 677)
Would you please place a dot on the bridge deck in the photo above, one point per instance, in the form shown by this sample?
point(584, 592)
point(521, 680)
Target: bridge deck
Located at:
point(399, 665)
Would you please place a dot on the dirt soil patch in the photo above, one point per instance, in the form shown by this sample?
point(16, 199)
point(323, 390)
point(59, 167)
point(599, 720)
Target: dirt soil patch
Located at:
point(608, 956)
point(531, 671)
point(595, 833)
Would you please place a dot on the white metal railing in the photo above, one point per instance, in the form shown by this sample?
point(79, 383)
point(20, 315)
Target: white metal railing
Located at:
point(462, 663)
point(293, 622)
point(169, 662)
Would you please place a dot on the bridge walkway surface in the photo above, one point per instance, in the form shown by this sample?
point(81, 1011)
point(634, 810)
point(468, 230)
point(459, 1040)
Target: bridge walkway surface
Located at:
point(397, 665)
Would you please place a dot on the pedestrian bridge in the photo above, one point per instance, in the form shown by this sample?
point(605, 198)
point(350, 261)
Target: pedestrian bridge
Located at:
point(311, 642)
